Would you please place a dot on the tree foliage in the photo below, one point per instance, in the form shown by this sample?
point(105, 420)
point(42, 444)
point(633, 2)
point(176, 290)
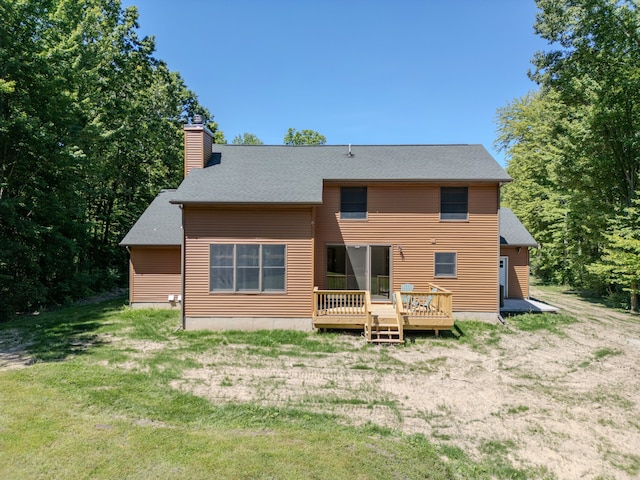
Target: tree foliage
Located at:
point(620, 263)
point(90, 130)
point(573, 147)
point(596, 65)
point(246, 139)
point(303, 137)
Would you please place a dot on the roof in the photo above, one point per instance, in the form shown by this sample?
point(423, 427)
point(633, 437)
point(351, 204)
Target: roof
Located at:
point(160, 224)
point(247, 174)
point(513, 232)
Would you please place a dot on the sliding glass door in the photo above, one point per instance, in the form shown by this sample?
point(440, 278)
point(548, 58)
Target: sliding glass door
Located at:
point(359, 267)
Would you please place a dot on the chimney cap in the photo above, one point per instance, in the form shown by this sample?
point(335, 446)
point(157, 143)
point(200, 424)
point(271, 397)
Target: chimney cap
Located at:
point(198, 119)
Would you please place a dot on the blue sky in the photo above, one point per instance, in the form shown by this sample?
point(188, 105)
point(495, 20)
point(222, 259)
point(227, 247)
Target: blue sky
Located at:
point(357, 71)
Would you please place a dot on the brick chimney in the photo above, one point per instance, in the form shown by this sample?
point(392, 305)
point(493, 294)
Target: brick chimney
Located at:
point(198, 144)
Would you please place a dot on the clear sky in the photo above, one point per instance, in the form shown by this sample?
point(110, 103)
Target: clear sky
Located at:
point(357, 71)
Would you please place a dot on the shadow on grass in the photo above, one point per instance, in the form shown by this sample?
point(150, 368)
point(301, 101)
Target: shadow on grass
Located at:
point(412, 335)
point(618, 301)
point(56, 335)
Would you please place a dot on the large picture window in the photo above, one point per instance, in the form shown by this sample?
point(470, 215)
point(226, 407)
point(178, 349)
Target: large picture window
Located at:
point(445, 264)
point(454, 203)
point(247, 268)
point(353, 203)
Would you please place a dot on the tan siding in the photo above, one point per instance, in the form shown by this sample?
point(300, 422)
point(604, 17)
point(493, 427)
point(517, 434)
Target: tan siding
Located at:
point(518, 271)
point(408, 215)
point(289, 226)
point(192, 150)
point(197, 147)
point(155, 273)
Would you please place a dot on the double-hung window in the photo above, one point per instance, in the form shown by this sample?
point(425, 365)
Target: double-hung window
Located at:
point(445, 264)
point(454, 203)
point(353, 203)
point(247, 268)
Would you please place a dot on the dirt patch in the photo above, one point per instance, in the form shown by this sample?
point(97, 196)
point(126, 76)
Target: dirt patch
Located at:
point(13, 350)
point(569, 403)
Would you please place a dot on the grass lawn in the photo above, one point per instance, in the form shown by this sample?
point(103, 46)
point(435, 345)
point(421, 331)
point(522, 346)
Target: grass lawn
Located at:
point(78, 411)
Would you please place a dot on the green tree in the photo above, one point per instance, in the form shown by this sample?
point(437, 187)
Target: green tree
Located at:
point(246, 139)
point(573, 147)
point(90, 130)
point(537, 133)
point(596, 63)
point(304, 137)
point(621, 260)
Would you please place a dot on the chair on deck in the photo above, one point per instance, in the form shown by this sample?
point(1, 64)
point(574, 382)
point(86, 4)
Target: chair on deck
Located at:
point(427, 304)
point(405, 287)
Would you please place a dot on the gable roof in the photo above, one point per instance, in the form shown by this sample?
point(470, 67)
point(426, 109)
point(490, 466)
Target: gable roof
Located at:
point(160, 224)
point(247, 174)
point(513, 232)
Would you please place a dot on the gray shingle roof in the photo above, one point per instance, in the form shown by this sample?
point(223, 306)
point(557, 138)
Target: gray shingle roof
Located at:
point(290, 174)
point(513, 232)
point(160, 224)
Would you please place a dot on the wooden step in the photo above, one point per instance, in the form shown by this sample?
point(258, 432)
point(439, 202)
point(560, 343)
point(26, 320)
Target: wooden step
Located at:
point(386, 340)
point(387, 335)
point(385, 330)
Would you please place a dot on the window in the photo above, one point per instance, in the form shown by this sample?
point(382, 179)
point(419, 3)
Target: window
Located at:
point(353, 202)
point(454, 203)
point(247, 268)
point(445, 264)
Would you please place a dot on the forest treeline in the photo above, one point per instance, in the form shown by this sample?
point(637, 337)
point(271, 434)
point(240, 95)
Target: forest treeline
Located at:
point(90, 131)
point(573, 147)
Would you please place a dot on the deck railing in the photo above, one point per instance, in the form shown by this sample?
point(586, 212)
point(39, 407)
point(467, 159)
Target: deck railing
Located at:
point(341, 303)
point(437, 302)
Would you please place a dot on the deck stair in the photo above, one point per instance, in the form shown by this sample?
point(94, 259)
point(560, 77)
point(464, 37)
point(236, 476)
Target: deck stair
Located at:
point(384, 326)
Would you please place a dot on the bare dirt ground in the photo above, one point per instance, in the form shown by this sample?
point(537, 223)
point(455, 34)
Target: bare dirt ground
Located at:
point(568, 403)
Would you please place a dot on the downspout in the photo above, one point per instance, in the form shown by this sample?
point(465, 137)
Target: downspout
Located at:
point(130, 275)
point(500, 319)
point(182, 273)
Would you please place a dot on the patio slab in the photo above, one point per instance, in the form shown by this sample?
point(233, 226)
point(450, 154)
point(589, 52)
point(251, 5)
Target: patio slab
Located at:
point(526, 305)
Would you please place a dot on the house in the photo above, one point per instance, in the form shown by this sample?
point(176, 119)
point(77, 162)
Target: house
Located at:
point(254, 229)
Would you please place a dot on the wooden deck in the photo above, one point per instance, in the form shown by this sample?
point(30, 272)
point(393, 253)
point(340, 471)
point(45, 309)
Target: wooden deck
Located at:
point(430, 310)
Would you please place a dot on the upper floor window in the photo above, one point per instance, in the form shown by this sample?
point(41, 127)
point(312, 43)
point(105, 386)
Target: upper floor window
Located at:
point(247, 268)
point(454, 203)
point(353, 202)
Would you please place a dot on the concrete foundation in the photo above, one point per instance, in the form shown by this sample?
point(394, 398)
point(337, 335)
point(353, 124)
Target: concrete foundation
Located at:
point(159, 305)
point(491, 317)
point(248, 323)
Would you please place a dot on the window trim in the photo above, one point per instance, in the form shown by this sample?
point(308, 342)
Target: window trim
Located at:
point(261, 270)
point(436, 263)
point(365, 212)
point(466, 214)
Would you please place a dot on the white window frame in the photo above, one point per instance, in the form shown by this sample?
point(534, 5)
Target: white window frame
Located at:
point(261, 269)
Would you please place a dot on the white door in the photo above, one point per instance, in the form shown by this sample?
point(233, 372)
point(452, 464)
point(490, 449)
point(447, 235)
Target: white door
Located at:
point(504, 267)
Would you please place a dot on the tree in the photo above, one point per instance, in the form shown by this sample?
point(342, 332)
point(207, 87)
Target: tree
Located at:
point(596, 63)
point(621, 260)
point(90, 130)
point(537, 133)
point(573, 147)
point(246, 139)
point(304, 137)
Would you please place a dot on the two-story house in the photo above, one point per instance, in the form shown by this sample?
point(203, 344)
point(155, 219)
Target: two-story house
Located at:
point(253, 229)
